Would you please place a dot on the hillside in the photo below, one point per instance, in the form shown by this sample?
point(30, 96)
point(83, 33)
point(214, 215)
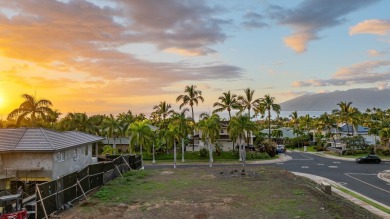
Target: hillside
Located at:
point(360, 98)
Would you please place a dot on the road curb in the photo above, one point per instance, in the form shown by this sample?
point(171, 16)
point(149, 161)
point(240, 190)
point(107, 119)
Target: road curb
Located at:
point(319, 179)
point(382, 175)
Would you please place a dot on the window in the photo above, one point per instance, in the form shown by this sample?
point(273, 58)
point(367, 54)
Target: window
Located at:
point(86, 150)
point(75, 154)
point(61, 156)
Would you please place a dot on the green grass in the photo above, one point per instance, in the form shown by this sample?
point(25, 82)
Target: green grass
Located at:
point(380, 207)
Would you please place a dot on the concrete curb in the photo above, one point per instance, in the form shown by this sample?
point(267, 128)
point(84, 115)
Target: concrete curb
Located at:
point(319, 179)
point(382, 175)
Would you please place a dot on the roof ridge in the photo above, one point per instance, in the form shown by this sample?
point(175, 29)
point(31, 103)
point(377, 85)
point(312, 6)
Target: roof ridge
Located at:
point(21, 137)
point(46, 137)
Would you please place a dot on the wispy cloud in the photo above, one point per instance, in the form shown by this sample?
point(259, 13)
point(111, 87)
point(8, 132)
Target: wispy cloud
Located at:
point(80, 36)
point(378, 27)
point(362, 73)
point(312, 16)
point(253, 20)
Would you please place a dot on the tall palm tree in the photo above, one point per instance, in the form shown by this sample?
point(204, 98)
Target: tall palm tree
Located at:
point(227, 102)
point(112, 127)
point(184, 126)
point(327, 122)
point(267, 104)
point(140, 133)
point(241, 125)
point(164, 109)
point(294, 118)
point(344, 113)
point(192, 97)
point(247, 101)
point(172, 134)
point(31, 108)
point(210, 126)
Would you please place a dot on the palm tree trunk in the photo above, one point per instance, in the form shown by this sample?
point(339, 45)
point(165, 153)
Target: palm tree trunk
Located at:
point(182, 150)
point(269, 126)
point(154, 158)
point(210, 153)
point(174, 153)
point(193, 131)
point(239, 148)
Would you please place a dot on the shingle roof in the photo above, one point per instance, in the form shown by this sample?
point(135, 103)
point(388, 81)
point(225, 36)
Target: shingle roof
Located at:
point(40, 139)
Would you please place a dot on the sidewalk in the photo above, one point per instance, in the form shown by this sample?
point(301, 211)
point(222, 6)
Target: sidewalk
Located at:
point(334, 184)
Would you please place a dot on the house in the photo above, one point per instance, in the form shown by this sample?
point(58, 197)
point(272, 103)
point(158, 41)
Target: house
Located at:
point(40, 155)
point(224, 140)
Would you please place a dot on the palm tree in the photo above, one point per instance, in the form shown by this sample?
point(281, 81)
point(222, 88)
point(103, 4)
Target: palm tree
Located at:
point(192, 96)
point(210, 126)
point(112, 127)
point(277, 134)
point(227, 102)
point(173, 134)
point(241, 125)
point(327, 122)
point(374, 131)
point(306, 121)
point(267, 104)
point(294, 119)
point(163, 110)
point(140, 132)
point(53, 116)
point(31, 108)
point(344, 113)
point(247, 102)
point(183, 123)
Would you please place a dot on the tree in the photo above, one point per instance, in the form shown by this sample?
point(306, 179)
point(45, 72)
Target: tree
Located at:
point(192, 97)
point(210, 126)
point(183, 123)
point(227, 102)
point(113, 128)
point(241, 125)
point(31, 108)
point(163, 110)
point(327, 122)
point(140, 132)
point(267, 104)
point(277, 134)
point(172, 134)
point(294, 119)
point(248, 102)
point(344, 113)
point(374, 131)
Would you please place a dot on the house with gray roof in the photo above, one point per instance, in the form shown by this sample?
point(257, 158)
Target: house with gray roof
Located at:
point(39, 155)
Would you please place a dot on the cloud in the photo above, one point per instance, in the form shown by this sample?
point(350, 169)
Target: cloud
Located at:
point(362, 73)
point(313, 16)
point(378, 27)
point(80, 36)
point(253, 20)
point(373, 52)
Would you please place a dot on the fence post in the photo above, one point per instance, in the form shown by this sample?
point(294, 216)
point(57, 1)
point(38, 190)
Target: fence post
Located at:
point(82, 190)
point(118, 171)
point(128, 165)
point(43, 205)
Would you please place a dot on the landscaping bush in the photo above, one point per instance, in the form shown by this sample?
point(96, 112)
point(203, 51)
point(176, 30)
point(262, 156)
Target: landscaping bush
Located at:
point(386, 152)
point(203, 153)
point(319, 148)
point(254, 155)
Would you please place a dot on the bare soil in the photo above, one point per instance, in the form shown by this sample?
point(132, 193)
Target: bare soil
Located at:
point(218, 192)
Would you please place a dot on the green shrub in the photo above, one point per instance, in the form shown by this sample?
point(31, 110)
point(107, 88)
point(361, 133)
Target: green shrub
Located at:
point(203, 153)
point(254, 155)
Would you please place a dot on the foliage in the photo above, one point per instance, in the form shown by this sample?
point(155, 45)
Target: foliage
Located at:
point(255, 155)
point(354, 143)
point(203, 153)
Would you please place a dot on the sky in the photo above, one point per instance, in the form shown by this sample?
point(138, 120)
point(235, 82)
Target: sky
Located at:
point(111, 56)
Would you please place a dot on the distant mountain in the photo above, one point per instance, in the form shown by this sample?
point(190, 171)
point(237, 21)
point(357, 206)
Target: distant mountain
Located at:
point(360, 98)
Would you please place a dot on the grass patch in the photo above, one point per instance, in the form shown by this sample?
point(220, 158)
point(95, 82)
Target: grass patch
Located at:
point(223, 192)
point(361, 198)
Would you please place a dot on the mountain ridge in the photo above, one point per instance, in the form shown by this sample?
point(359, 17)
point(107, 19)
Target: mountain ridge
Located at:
point(360, 98)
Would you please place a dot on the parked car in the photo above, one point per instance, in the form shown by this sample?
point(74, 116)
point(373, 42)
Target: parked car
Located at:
point(368, 159)
point(280, 149)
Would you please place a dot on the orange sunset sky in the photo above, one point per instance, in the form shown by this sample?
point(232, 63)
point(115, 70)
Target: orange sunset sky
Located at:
point(109, 56)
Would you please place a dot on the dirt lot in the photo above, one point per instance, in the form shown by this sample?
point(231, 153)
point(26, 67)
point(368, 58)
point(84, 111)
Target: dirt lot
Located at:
point(218, 192)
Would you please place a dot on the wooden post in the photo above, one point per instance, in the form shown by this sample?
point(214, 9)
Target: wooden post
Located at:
point(128, 165)
point(118, 171)
point(43, 205)
point(82, 190)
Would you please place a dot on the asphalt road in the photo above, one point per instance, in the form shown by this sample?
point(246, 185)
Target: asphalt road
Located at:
point(361, 178)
